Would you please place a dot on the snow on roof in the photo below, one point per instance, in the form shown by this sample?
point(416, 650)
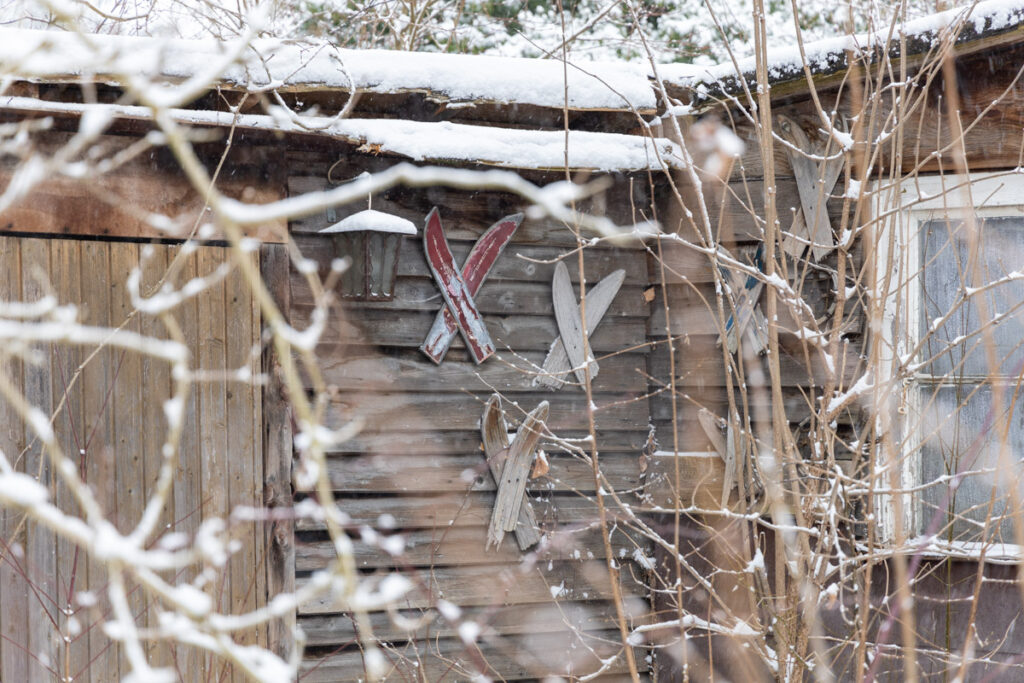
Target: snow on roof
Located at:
point(376, 221)
point(416, 140)
point(62, 56)
point(829, 54)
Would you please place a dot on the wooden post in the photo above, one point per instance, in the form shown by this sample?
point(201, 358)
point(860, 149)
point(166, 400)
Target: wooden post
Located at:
point(277, 459)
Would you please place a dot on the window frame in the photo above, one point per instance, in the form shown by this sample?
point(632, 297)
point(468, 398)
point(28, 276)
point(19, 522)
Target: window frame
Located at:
point(901, 210)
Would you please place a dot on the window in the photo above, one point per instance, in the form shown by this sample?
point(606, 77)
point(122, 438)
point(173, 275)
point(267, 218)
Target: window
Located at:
point(953, 269)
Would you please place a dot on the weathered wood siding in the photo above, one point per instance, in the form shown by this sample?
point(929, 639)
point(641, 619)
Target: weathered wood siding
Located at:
point(418, 463)
point(944, 598)
point(108, 408)
point(115, 204)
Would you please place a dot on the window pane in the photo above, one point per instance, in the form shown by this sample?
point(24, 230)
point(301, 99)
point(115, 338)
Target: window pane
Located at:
point(961, 441)
point(957, 346)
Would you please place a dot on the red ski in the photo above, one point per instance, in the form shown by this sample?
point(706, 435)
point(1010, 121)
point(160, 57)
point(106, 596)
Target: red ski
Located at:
point(474, 271)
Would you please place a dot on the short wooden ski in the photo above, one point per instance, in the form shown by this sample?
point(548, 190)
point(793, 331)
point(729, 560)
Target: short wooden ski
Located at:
point(514, 475)
point(599, 299)
point(747, 318)
point(495, 437)
point(474, 271)
point(455, 291)
point(570, 323)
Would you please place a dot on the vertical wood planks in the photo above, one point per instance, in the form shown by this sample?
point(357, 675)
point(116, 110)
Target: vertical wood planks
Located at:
point(98, 421)
point(112, 413)
point(213, 441)
point(156, 382)
point(65, 278)
point(187, 489)
point(127, 406)
point(14, 659)
point(242, 456)
point(126, 397)
point(260, 546)
point(41, 548)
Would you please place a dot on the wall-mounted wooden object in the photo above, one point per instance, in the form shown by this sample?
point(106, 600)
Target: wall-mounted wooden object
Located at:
point(461, 286)
point(816, 175)
point(370, 240)
point(510, 464)
point(744, 293)
point(566, 352)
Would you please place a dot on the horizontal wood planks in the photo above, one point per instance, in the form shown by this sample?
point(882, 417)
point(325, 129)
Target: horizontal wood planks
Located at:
point(417, 469)
point(531, 263)
point(510, 332)
point(685, 313)
point(443, 511)
point(462, 546)
point(360, 370)
point(415, 473)
point(493, 585)
point(406, 412)
point(322, 630)
point(510, 657)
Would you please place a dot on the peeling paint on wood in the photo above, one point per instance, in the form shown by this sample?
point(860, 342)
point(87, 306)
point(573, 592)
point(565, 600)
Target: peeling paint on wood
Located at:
point(475, 269)
point(454, 290)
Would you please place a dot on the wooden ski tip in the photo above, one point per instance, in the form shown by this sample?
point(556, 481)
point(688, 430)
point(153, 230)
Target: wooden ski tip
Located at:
point(433, 220)
point(492, 409)
point(619, 275)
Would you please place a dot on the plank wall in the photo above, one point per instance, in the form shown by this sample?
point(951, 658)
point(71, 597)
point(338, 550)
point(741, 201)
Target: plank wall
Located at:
point(107, 411)
point(418, 466)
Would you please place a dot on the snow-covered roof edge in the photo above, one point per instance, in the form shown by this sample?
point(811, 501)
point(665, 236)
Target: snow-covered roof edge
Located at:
point(987, 20)
point(415, 140)
point(53, 56)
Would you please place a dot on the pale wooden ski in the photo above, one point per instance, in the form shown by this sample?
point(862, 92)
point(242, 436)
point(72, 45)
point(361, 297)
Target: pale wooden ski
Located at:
point(514, 475)
point(746, 318)
point(599, 299)
point(726, 449)
point(570, 325)
point(495, 437)
point(814, 183)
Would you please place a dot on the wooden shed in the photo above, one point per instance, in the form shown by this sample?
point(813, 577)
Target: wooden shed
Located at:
point(704, 457)
point(416, 470)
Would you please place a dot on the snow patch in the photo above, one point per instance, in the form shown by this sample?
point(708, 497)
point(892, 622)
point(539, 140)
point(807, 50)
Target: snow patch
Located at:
point(418, 140)
point(273, 63)
point(375, 221)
